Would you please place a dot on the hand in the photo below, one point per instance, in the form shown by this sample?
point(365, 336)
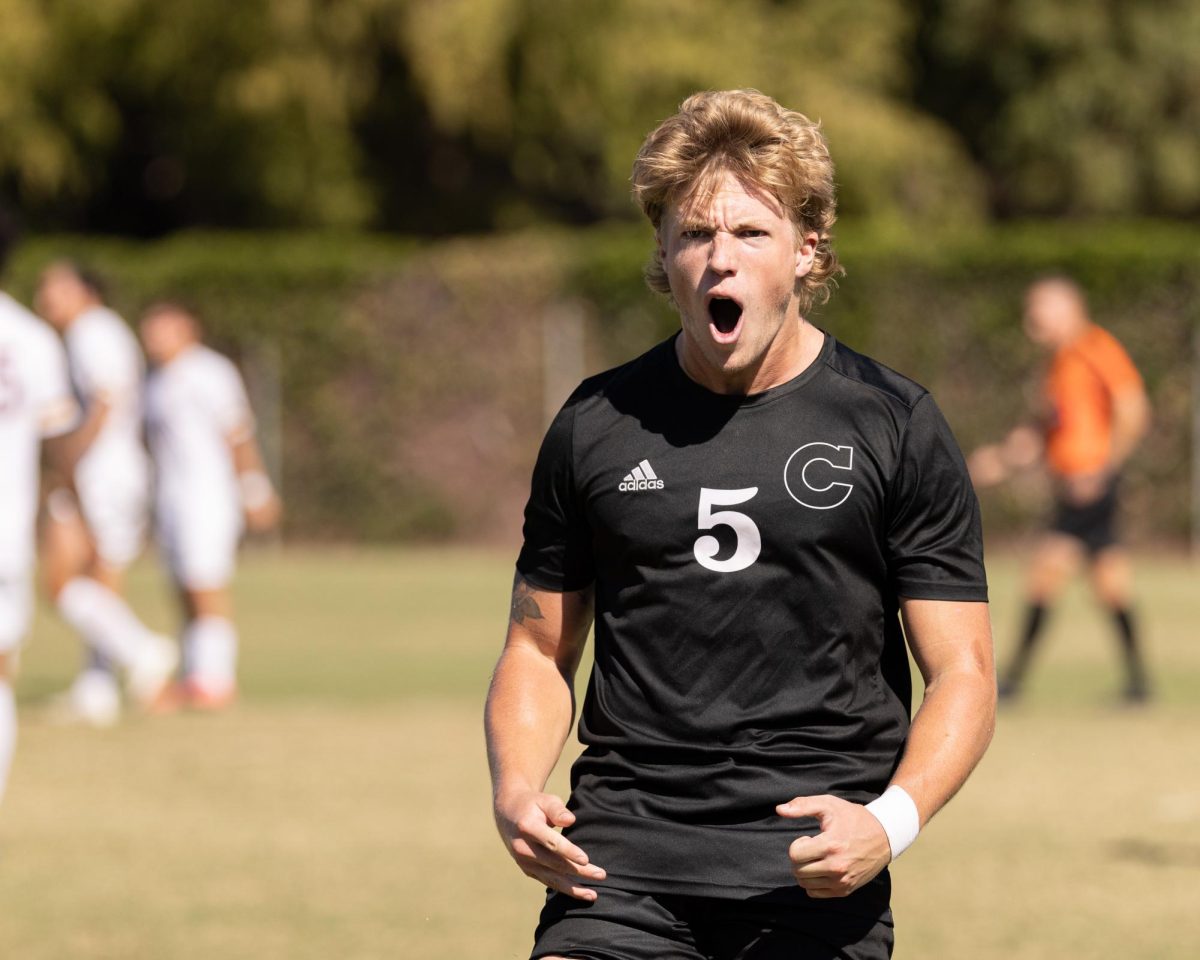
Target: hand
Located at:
point(986, 466)
point(264, 516)
point(850, 850)
point(1084, 488)
point(526, 821)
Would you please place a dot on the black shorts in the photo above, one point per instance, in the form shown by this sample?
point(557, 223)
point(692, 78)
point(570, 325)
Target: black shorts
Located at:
point(621, 925)
point(1093, 524)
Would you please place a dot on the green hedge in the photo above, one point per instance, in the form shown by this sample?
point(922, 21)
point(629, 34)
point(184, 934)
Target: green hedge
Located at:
point(412, 374)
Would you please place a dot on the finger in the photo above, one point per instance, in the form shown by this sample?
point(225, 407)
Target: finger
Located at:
point(535, 853)
point(807, 850)
point(556, 811)
point(818, 884)
point(818, 807)
point(819, 873)
point(823, 893)
point(560, 883)
point(536, 829)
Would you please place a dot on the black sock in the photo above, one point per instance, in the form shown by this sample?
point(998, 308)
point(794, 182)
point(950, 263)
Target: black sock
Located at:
point(1127, 634)
point(1035, 617)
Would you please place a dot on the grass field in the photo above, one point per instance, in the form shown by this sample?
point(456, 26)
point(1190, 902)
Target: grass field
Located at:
point(342, 809)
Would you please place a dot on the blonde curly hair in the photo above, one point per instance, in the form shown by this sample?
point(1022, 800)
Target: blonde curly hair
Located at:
point(763, 144)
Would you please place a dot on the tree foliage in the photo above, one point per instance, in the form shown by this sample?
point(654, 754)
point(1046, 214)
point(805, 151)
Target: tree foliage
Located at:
point(439, 116)
point(1071, 107)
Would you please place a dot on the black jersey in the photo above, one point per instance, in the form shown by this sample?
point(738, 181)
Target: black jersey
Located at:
point(747, 554)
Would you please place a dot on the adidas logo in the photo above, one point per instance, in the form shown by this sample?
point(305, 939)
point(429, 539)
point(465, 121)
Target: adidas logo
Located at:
point(641, 477)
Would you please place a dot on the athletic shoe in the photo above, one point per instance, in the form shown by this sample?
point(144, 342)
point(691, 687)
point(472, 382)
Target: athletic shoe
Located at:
point(171, 699)
point(209, 697)
point(1007, 691)
point(1136, 694)
point(150, 675)
point(93, 700)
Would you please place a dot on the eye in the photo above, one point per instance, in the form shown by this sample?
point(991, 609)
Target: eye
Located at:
point(695, 233)
point(753, 232)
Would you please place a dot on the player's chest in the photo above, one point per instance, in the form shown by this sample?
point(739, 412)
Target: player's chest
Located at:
point(755, 490)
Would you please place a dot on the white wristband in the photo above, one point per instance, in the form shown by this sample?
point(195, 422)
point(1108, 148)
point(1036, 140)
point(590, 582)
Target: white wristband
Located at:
point(256, 489)
point(898, 816)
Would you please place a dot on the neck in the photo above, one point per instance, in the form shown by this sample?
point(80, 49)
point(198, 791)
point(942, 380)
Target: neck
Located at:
point(1077, 330)
point(787, 357)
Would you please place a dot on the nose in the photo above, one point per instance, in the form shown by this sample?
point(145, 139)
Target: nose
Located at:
point(722, 257)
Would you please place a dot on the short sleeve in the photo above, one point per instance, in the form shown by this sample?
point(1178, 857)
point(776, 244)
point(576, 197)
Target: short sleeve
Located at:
point(1115, 368)
point(106, 364)
point(53, 400)
point(934, 536)
point(228, 402)
point(557, 552)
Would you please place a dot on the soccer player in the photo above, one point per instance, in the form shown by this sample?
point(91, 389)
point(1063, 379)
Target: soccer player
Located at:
point(742, 512)
point(35, 404)
point(1094, 413)
point(210, 481)
point(95, 522)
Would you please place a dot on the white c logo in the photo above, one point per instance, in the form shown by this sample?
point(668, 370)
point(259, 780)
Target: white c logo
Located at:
point(831, 495)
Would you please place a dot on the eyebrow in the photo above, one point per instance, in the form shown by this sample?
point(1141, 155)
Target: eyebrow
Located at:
point(693, 223)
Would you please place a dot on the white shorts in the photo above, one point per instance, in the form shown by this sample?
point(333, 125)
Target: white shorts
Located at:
point(117, 518)
point(115, 515)
point(16, 610)
point(200, 551)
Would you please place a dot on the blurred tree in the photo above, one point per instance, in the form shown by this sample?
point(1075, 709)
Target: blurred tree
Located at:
point(138, 116)
point(1070, 107)
point(566, 92)
point(444, 116)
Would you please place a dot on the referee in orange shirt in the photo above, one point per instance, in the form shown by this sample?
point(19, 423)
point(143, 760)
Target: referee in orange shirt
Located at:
point(1093, 414)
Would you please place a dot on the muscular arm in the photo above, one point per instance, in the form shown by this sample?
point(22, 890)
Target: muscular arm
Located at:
point(530, 707)
point(952, 644)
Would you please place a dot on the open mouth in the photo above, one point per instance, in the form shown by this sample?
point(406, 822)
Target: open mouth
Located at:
point(725, 314)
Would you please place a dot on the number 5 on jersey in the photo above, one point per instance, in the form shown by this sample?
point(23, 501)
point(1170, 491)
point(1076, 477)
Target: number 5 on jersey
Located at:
point(749, 540)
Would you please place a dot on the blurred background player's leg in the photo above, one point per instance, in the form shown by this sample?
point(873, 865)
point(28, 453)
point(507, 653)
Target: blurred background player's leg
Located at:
point(15, 615)
point(201, 552)
point(1112, 581)
point(210, 648)
point(94, 696)
point(1054, 561)
point(8, 719)
point(86, 587)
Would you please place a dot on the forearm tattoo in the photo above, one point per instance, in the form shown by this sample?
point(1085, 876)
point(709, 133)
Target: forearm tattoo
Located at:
point(524, 606)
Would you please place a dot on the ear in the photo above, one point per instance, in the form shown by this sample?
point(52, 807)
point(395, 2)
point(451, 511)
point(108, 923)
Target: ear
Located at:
point(659, 250)
point(806, 252)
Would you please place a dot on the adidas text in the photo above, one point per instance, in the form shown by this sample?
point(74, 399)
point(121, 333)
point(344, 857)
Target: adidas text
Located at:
point(627, 485)
point(641, 477)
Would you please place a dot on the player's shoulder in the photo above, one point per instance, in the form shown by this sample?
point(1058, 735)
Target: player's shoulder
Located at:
point(870, 378)
point(202, 362)
point(18, 318)
point(625, 383)
point(101, 323)
point(1103, 342)
point(100, 336)
point(23, 325)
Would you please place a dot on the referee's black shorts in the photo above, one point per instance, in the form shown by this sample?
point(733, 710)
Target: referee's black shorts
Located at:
point(622, 925)
point(1094, 524)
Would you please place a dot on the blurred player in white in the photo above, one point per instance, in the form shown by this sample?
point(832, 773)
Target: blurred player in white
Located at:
point(96, 516)
point(35, 403)
point(210, 484)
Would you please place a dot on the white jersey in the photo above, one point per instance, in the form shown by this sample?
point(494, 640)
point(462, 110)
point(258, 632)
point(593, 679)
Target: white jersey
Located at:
point(35, 402)
point(194, 405)
point(105, 363)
